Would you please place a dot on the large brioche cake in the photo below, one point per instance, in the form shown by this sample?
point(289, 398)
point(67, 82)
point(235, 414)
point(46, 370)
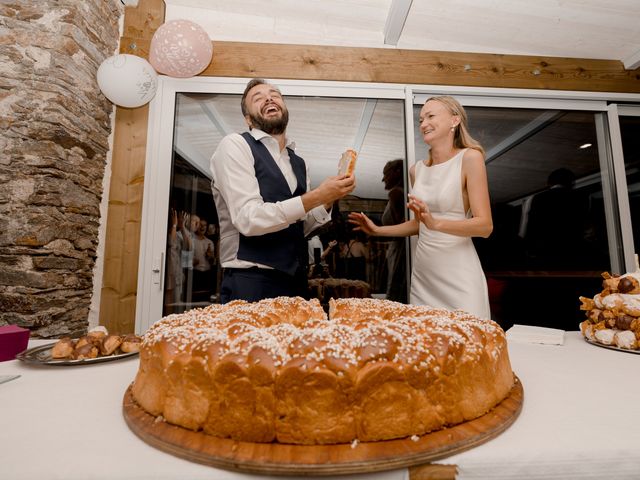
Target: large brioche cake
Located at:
point(279, 370)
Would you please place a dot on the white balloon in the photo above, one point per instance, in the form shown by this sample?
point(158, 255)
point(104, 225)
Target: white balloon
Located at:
point(127, 80)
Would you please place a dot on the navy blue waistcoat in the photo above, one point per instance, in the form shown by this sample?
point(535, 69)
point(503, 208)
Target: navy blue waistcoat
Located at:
point(285, 250)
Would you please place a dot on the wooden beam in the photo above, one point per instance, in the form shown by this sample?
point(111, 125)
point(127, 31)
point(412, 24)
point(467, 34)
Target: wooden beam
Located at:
point(383, 65)
point(422, 67)
point(122, 240)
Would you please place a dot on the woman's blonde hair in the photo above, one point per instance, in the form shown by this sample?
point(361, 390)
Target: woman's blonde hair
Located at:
point(461, 136)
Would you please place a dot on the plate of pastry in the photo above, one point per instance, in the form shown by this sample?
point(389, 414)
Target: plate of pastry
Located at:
point(613, 314)
point(95, 347)
point(611, 346)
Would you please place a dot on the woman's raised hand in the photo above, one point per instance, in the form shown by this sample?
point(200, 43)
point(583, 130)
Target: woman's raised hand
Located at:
point(422, 212)
point(362, 223)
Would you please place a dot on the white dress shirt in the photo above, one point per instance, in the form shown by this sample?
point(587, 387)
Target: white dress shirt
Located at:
point(240, 206)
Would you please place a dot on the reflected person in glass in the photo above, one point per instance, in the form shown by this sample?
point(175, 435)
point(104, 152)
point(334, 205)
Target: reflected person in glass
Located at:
point(392, 177)
point(178, 240)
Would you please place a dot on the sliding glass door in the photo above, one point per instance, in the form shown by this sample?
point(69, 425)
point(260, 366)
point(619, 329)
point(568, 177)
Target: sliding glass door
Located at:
point(561, 210)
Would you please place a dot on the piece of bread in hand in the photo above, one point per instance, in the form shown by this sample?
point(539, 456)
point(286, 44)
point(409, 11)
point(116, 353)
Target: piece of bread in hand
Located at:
point(347, 163)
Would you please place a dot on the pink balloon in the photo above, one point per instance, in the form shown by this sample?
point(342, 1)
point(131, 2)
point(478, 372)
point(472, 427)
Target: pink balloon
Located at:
point(180, 48)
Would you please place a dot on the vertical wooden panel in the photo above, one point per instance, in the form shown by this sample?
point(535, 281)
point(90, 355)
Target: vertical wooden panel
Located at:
point(122, 242)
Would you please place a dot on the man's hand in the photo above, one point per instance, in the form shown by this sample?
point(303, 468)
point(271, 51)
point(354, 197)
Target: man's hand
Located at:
point(330, 190)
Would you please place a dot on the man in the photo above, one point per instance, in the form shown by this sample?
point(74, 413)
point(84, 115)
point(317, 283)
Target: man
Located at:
point(265, 208)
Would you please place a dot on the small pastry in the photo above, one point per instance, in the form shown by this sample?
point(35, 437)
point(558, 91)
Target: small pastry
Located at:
point(110, 344)
point(586, 328)
point(99, 328)
point(628, 283)
point(605, 336)
point(86, 339)
point(610, 283)
point(85, 351)
point(63, 348)
point(586, 303)
point(626, 339)
point(98, 332)
point(594, 315)
point(130, 343)
point(623, 322)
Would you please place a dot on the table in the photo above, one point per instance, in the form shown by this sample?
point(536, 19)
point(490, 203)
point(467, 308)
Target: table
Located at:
point(579, 420)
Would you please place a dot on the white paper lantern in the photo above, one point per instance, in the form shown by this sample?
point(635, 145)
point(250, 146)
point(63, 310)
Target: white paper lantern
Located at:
point(127, 80)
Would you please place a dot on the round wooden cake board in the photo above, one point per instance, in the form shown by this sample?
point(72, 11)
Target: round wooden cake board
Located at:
point(320, 460)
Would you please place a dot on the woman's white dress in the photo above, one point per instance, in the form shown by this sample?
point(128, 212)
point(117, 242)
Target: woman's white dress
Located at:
point(446, 269)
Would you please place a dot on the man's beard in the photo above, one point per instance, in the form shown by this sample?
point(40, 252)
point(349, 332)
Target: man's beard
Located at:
point(272, 126)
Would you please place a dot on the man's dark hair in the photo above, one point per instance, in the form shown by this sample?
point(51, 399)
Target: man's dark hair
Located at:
point(252, 83)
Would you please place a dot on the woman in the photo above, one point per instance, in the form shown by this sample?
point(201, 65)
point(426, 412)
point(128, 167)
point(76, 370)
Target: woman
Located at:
point(450, 201)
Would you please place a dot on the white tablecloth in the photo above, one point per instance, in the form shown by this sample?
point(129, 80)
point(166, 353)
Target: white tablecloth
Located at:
point(580, 419)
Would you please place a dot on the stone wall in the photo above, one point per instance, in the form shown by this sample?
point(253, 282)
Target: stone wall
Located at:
point(54, 131)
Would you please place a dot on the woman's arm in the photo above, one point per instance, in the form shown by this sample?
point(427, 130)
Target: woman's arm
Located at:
point(404, 229)
point(476, 187)
point(365, 224)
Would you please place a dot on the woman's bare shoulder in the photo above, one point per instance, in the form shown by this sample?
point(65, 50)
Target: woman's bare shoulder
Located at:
point(473, 161)
point(473, 155)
